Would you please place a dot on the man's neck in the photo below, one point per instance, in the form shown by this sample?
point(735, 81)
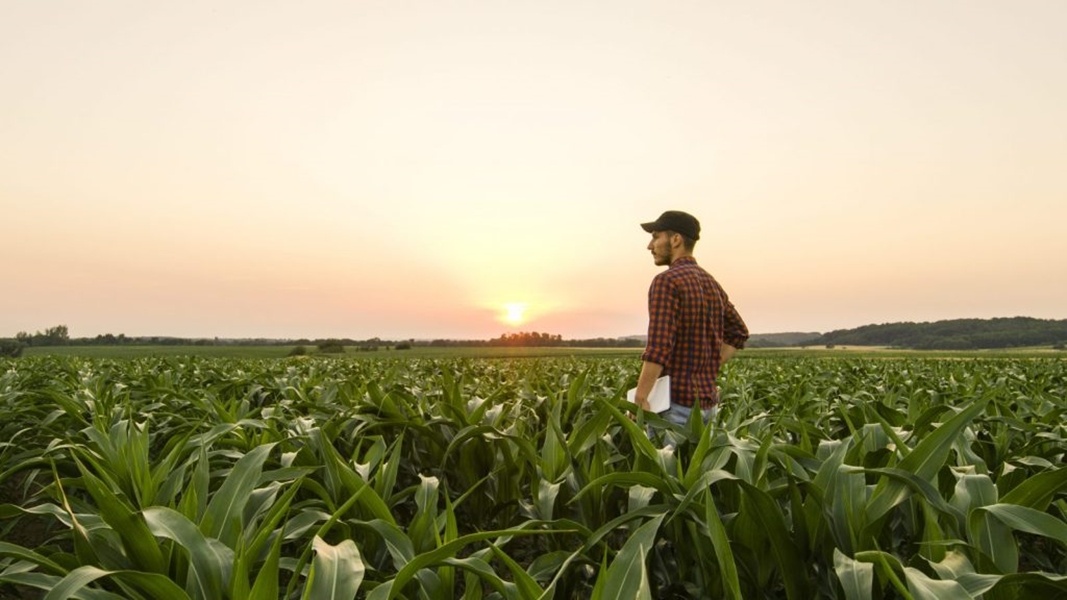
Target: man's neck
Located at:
point(680, 255)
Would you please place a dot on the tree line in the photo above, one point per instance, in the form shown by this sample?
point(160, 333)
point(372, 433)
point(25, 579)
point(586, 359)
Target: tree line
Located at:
point(954, 334)
point(535, 339)
point(60, 336)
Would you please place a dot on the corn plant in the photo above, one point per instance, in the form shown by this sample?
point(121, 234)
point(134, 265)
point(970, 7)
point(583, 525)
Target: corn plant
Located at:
point(530, 478)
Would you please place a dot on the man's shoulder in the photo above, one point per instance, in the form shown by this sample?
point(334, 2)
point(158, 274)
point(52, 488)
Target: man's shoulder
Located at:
point(686, 269)
point(665, 276)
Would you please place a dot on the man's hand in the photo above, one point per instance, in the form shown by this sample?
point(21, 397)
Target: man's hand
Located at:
point(650, 371)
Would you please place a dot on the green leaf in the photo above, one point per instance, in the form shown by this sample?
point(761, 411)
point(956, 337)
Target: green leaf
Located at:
point(553, 453)
point(764, 510)
point(720, 542)
point(266, 585)
point(349, 482)
point(336, 571)
point(627, 575)
point(623, 479)
point(856, 578)
point(994, 540)
point(1019, 585)
point(601, 579)
point(140, 547)
point(224, 518)
point(423, 531)
point(922, 587)
point(924, 461)
point(152, 584)
point(588, 433)
point(21, 553)
point(1038, 491)
point(393, 587)
point(396, 542)
point(211, 562)
point(890, 567)
point(545, 501)
point(524, 583)
point(638, 436)
point(45, 582)
point(1022, 518)
point(479, 572)
point(251, 552)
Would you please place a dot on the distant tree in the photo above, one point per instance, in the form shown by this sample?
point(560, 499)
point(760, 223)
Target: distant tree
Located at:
point(53, 336)
point(57, 336)
point(11, 348)
point(331, 347)
point(955, 334)
point(298, 351)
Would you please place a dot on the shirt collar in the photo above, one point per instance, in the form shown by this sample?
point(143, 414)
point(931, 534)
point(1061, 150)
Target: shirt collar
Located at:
point(683, 260)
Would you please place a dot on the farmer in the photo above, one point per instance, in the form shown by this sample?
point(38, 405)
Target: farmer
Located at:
point(692, 326)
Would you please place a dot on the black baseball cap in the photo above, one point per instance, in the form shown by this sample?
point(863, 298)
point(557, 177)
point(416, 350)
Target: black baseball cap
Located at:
point(677, 221)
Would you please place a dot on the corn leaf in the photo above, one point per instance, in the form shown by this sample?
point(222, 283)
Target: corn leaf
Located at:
point(210, 560)
point(627, 576)
point(224, 517)
point(720, 542)
point(856, 578)
point(336, 571)
point(1038, 491)
point(140, 547)
point(924, 461)
point(45, 582)
point(266, 586)
point(922, 587)
point(152, 585)
point(1022, 518)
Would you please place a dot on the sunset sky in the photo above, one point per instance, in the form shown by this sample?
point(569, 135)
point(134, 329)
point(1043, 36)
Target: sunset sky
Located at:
point(422, 169)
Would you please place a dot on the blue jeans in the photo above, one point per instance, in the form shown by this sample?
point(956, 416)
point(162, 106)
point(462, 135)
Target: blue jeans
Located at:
point(679, 415)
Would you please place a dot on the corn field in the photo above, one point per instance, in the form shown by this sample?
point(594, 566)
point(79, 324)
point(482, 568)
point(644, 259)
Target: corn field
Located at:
point(174, 478)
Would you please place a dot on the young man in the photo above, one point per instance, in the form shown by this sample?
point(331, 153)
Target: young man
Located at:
point(692, 326)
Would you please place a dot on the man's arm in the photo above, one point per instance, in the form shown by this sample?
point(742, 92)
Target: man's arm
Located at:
point(650, 372)
point(735, 332)
point(661, 328)
point(727, 353)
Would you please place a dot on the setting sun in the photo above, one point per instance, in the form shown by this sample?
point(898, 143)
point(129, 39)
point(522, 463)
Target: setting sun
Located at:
point(514, 313)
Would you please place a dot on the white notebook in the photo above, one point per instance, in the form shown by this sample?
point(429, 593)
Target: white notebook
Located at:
point(659, 399)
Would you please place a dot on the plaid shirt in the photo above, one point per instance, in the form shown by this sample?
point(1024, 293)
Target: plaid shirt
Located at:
point(689, 319)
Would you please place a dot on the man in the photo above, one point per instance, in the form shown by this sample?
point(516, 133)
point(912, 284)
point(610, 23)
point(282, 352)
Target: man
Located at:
point(693, 329)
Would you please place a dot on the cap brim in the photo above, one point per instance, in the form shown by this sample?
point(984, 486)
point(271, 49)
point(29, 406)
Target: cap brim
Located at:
point(650, 227)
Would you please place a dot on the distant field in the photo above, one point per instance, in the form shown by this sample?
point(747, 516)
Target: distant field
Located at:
point(885, 352)
point(144, 351)
point(487, 352)
point(283, 351)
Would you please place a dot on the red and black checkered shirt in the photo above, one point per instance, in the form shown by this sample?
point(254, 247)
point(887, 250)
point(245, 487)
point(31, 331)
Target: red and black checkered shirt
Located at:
point(689, 319)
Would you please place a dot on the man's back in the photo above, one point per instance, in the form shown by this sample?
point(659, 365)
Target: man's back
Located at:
point(690, 317)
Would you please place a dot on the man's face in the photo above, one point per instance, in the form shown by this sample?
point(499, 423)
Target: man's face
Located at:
point(660, 246)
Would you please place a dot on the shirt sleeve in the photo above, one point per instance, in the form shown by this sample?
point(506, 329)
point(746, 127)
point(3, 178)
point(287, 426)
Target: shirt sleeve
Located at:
point(735, 332)
point(662, 322)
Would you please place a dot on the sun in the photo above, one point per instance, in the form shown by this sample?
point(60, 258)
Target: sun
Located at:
point(514, 313)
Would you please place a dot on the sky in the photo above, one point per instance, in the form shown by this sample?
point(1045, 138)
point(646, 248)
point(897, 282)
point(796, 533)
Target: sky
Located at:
point(428, 169)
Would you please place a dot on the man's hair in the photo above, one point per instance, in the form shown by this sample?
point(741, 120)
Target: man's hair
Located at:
point(687, 242)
